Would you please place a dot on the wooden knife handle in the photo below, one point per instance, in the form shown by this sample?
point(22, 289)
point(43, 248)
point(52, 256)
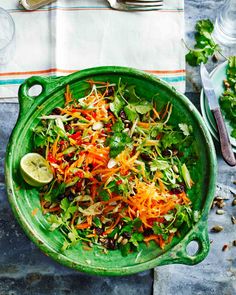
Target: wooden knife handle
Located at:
point(225, 144)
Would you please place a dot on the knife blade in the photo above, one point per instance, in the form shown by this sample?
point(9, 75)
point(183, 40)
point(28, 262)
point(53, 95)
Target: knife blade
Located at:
point(226, 148)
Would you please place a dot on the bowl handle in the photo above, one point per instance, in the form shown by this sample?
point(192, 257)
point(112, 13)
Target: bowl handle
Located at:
point(180, 253)
point(48, 84)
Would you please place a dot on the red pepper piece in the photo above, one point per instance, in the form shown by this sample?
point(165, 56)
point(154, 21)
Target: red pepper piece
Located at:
point(119, 182)
point(51, 159)
point(76, 135)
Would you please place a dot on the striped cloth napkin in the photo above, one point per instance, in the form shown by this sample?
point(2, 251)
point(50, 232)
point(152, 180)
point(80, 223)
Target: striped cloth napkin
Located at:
point(70, 35)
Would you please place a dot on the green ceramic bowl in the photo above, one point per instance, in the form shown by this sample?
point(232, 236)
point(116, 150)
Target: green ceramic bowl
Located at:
point(24, 199)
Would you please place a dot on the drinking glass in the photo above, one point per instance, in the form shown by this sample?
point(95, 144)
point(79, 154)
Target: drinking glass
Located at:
point(225, 25)
point(7, 36)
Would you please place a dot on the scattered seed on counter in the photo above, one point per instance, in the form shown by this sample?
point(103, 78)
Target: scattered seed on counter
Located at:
point(220, 212)
point(217, 228)
point(234, 243)
point(234, 202)
point(220, 204)
point(225, 247)
point(233, 219)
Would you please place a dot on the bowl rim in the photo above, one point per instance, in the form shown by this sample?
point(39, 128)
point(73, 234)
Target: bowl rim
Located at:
point(167, 257)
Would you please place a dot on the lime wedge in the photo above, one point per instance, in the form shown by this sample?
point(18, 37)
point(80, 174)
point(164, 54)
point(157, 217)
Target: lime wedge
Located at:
point(35, 170)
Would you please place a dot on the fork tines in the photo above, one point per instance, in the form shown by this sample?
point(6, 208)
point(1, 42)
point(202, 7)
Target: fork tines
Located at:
point(142, 3)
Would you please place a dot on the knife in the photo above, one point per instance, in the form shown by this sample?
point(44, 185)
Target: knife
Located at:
point(226, 148)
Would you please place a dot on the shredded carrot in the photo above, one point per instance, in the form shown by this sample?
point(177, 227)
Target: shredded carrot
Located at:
point(82, 225)
point(110, 229)
point(68, 95)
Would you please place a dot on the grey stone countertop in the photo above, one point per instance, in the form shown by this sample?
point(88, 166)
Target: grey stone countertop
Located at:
point(26, 270)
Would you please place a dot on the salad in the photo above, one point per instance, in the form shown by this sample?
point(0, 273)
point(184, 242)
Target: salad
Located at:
point(228, 98)
point(120, 169)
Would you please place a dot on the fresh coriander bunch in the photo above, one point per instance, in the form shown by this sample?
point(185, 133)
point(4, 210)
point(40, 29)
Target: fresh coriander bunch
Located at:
point(205, 46)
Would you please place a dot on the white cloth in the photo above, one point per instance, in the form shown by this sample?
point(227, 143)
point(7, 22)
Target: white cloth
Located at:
point(71, 35)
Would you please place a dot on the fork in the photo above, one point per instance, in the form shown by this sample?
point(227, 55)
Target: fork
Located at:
point(136, 5)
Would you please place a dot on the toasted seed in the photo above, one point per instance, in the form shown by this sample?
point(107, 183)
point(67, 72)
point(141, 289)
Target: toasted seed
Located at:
point(220, 204)
point(213, 204)
point(218, 198)
point(90, 244)
point(225, 247)
point(116, 236)
point(217, 228)
point(234, 243)
point(97, 126)
point(175, 168)
point(234, 202)
point(120, 239)
point(233, 219)
point(124, 241)
point(220, 212)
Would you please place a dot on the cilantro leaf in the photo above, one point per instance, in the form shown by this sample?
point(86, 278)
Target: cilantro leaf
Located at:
point(136, 238)
point(195, 57)
point(117, 143)
point(187, 129)
point(117, 105)
point(170, 138)
point(142, 107)
point(104, 195)
point(55, 192)
point(205, 45)
point(118, 126)
point(204, 25)
point(55, 221)
point(130, 112)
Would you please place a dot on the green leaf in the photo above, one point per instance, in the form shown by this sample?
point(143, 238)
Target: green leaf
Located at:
point(204, 25)
point(171, 138)
point(97, 222)
point(65, 246)
point(187, 129)
point(131, 95)
point(232, 62)
point(233, 133)
point(55, 221)
point(195, 57)
point(155, 130)
point(136, 238)
point(104, 195)
point(125, 249)
point(118, 126)
point(205, 45)
point(117, 105)
point(40, 140)
point(137, 222)
point(159, 165)
point(65, 204)
point(142, 107)
point(130, 112)
point(117, 143)
point(54, 192)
